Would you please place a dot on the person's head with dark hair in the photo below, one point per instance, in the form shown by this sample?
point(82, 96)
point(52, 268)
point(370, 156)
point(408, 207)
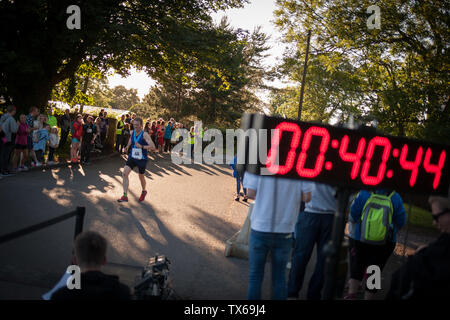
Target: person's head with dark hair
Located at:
point(11, 109)
point(90, 256)
point(90, 251)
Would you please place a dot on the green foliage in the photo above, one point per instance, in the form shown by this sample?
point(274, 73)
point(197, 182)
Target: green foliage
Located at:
point(397, 74)
point(38, 51)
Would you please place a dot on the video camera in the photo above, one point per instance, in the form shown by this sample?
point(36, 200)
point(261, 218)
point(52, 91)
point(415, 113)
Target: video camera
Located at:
point(154, 281)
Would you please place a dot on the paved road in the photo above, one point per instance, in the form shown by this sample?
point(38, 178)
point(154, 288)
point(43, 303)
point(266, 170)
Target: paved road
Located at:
point(188, 215)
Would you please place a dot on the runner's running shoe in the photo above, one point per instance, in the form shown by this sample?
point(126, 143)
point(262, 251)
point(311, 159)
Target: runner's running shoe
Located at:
point(142, 197)
point(123, 199)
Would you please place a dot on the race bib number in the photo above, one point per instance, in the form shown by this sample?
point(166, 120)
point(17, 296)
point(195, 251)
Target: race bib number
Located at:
point(89, 130)
point(136, 153)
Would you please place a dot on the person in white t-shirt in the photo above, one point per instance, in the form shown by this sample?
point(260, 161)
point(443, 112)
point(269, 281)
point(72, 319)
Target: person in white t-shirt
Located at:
point(277, 203)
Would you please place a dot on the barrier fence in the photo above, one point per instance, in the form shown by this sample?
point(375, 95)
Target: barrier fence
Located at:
point(79, 213)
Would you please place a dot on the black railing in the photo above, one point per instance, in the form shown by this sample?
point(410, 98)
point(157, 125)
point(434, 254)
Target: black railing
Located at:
point(78, 213)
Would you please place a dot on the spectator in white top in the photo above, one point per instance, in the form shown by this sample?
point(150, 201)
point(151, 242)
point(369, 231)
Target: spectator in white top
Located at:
point(9, 126)
point(277, 203)
point(53, 144)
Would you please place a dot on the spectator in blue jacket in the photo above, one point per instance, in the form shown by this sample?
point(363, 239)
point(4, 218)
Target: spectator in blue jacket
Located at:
point(371, 254)
point(168, 137)
point(239, 181)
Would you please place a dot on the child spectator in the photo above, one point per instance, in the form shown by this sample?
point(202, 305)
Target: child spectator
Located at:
point(21, 144)
point(77, 133)
point(40, 143)
point(89, 134)
point(31, 117)
point(53, 144)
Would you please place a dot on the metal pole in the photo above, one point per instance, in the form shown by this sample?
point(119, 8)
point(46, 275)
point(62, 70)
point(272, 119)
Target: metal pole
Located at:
point(333, 248)
point(81, 211)
point(304, 77)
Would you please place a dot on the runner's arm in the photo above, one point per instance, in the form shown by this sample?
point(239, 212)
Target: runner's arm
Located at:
point(151, 146)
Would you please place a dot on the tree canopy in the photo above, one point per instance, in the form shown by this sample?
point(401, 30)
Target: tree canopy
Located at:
point(397, 74)
point(38, 51)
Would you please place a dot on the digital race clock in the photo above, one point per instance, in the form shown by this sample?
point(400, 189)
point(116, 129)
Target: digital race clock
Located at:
point(361, 159)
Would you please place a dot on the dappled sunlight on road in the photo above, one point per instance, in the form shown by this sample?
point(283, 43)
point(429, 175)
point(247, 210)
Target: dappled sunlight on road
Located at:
point(60, 195)
point(188, 215)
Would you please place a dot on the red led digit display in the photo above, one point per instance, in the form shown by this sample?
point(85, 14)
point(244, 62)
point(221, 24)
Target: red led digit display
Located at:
point(383, 142)
point(432, 168)
point(411, 165)
point(353, 158)
point(272, 161)
point(313, 131)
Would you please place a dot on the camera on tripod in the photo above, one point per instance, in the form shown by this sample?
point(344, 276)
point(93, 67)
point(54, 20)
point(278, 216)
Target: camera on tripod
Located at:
point(154, 281)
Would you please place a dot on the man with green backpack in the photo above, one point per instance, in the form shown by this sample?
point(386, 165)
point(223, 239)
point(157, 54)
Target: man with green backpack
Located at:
point(377, 217)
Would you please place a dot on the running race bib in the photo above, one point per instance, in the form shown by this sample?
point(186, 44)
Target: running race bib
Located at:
point(89, 130)
point(136, 153)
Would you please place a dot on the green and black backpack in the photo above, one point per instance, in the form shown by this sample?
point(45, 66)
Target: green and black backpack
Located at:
point(376, 219)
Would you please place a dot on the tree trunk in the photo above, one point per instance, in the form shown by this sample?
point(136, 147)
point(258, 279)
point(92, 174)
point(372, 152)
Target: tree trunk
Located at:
point(111, 135)
point(35, 94)
point(86, 83)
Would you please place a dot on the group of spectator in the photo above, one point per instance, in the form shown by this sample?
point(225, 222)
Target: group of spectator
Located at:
point(277, 224)
point(159, 131)
point(26, 140)
point(23, 142)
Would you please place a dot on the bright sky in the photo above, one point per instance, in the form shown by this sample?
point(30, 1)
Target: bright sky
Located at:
point(256, 13)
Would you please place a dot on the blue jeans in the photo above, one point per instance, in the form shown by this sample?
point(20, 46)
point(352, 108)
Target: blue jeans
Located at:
point(311, 229)
point(239, 181)
point(279, 245)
